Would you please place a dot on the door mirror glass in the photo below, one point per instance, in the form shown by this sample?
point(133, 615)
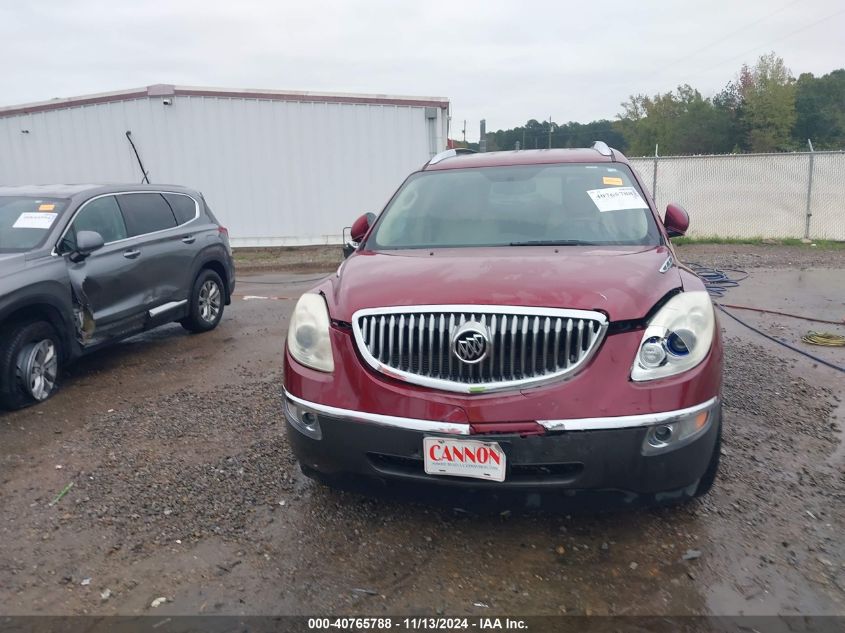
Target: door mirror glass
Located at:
point(87, 242)
point(676, 220)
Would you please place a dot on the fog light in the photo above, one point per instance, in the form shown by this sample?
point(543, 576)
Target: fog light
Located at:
point(676, 432)
point(303, 420)
point(663, 433)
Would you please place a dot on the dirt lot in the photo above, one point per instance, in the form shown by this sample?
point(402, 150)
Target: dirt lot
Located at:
point(184, 487)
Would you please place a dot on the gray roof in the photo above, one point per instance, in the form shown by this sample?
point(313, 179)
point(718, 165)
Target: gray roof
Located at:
point(72, 190)
point(168, 90)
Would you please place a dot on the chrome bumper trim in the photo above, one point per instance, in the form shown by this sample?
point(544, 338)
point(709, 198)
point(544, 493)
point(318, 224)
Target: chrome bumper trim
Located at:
point(410, 424)
point(626, 421)
point(575, 424)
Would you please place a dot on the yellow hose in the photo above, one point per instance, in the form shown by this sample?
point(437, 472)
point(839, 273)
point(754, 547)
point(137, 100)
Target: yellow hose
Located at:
point(824, 338)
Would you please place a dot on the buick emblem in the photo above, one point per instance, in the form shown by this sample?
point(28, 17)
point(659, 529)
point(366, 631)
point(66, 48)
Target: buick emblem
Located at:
point(471, 342)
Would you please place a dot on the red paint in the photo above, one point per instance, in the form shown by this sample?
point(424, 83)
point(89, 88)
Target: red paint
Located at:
point(525, 157)
point(676, 221)
point(464, 454)
point(623, 281)
point(360, 227)
point(602, 388)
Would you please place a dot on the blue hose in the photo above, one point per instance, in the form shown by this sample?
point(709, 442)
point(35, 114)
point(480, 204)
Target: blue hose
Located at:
point(718, 282)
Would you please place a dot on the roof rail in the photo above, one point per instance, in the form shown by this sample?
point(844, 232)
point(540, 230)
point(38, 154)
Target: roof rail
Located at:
point(449, 153)
point(602, 148)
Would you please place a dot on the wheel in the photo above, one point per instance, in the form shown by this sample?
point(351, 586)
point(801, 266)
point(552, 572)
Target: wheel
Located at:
point(206, 303)
point(709, 476)
point(29, 364)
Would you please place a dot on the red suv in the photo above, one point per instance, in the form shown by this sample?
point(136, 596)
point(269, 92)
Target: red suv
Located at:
point(511, 320)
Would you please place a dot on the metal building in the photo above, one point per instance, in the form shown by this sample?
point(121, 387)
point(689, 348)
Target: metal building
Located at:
point(277, 168)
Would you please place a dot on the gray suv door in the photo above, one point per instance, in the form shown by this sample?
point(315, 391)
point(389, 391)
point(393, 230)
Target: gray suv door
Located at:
point(165, 251)
point(108, 291)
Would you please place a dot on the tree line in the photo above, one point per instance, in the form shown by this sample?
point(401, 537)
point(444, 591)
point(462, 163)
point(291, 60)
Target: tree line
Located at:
point(763, 109)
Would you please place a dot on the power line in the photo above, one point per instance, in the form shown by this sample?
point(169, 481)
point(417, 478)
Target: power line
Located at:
point(723, 38)
point(781, 38)
point(727, 36)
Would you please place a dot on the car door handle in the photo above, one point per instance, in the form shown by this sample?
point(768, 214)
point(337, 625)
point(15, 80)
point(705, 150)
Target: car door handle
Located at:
point(132, 253)
point(189, 239)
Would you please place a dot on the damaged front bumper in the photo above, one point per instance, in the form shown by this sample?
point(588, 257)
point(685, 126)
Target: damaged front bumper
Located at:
point(661, 454)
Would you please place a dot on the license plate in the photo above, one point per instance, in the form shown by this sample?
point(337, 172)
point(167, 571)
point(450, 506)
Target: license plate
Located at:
point(464, 458)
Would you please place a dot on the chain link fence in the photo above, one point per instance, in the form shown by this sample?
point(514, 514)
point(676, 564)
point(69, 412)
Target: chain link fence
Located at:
point(796, 195)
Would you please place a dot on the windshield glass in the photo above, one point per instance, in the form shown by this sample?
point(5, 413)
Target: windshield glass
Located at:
point(517, 205)
point(25, 221)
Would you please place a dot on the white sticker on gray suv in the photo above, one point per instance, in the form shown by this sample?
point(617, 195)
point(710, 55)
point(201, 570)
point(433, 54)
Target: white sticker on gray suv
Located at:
point(35, 220)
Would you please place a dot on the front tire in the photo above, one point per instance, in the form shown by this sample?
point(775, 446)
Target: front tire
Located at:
point(206, 302)
point(30, 361)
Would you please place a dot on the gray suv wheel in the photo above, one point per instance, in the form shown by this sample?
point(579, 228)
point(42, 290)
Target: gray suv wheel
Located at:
point(30, 361)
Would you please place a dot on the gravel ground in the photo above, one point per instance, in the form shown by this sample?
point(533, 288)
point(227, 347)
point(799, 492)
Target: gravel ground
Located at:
point(187, 489)
point(746, 256)
point(327, 258)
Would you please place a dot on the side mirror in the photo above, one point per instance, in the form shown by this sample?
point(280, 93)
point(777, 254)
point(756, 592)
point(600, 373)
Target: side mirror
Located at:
point(86, 243)
point(361, 226)
point(676, 220)
point(357, 232)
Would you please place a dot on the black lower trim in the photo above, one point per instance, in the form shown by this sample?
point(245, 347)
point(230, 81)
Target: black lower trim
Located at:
point(572, 461)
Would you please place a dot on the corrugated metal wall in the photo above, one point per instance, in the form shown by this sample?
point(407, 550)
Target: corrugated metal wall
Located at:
point(274, 172)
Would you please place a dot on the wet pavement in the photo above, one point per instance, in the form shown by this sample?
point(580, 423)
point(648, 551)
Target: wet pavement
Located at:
point(184, 487)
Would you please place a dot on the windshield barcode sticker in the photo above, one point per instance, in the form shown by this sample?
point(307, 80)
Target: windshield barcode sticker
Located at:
point(617, 199)
point(35, 220)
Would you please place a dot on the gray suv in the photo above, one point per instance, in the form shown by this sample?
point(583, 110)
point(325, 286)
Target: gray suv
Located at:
point(82, 266)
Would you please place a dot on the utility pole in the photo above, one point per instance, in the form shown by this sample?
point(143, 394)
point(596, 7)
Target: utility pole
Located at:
point(482, 141)
point(465, 130)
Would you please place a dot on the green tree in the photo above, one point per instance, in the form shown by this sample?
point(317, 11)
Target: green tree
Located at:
point(768, 104)
point(820, 110)
point(680, 122)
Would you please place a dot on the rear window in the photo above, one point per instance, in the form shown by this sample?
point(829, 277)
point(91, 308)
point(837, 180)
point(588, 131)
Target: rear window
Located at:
point(184, 207)
point(26, 221)
point(146, 213)
point(518, 205)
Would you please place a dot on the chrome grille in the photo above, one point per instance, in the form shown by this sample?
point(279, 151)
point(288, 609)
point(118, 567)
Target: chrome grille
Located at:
point(525, 345)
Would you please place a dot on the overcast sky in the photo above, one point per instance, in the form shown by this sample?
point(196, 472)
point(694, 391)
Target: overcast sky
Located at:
point(506, 61)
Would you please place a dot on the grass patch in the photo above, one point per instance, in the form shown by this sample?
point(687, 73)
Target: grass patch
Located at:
point(759, 241)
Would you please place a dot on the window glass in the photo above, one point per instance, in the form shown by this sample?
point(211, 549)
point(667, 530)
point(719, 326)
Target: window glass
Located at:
point(101, 215)
point(184, 207)
point(516, 205)
point(146, 213)
point(25, 222)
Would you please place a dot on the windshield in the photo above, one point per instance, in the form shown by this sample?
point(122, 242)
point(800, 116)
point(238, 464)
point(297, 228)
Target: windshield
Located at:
point(25, 221)
point(518, 205)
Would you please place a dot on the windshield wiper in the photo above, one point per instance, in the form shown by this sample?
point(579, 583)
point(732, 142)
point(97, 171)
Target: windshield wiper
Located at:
point(553, 243)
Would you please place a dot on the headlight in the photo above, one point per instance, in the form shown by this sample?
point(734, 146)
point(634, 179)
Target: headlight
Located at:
point(308, 335)
point(677, 338)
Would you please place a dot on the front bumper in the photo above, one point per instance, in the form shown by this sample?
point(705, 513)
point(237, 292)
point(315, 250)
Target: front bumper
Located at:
point(576, 454)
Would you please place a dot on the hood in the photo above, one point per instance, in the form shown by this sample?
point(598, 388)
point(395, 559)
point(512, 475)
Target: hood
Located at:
point(623, 281)
point(11, 263)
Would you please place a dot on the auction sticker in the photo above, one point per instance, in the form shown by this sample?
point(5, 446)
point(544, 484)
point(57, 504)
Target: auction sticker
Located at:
point(617, 199)
point(35, 220)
